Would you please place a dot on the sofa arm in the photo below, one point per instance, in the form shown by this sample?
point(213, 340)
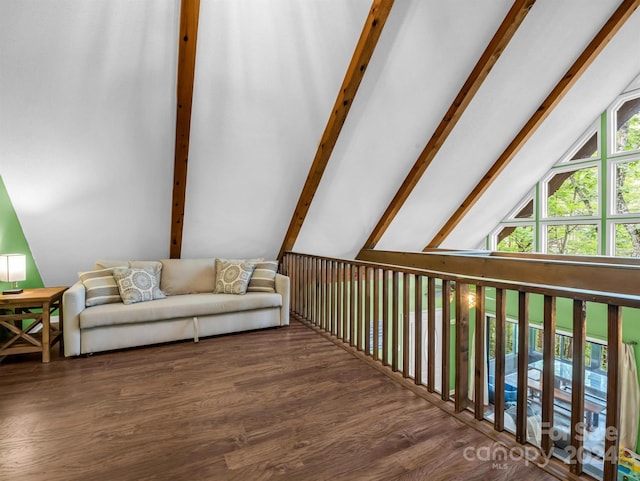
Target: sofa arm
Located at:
point(282, 288)
point(73, 303)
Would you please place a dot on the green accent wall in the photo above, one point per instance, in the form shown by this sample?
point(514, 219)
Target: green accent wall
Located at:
point(13, 241)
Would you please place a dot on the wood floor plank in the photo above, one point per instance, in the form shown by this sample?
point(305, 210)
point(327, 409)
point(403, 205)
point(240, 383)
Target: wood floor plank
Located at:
point(272, 404)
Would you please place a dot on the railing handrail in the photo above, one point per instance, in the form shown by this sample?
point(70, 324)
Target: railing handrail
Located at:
point(604, 297)
point(592, 276)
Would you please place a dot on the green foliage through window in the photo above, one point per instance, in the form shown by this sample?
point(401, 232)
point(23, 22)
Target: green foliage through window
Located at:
point(574, 239)
point(516, 239)
point(573, 193)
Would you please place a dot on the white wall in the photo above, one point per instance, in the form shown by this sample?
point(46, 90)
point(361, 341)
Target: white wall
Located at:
point(267, 75)
point(87, 122)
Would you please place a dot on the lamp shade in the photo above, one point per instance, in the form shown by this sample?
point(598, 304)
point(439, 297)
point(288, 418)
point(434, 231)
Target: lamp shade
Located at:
point(13, 267)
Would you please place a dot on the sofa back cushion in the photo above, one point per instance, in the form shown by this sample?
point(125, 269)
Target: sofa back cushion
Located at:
point(187, 276)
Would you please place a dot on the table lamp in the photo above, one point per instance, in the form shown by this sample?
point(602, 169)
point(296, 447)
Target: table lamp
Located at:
point(13, 268)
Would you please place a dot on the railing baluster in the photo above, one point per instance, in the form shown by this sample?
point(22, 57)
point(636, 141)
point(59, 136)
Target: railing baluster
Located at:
point(462, 347)
point(294, 284)
point(501, 314)
point(319, 292)
point(394, 316)
point(349, 304)
point(385, 317)
point(306, 280)
point(330, 300)
point(327, 296)
point(298, 284)
point(305, 274)
point(614, 356)
point(376, 314)
point(336, 302)
point(310, 289)
point(480, 371)
point(548, 375)
point(307, 288)
point(360, 326)
point(418, 349)
point(577, 383)
point(446, 340)
point(523, 367)
point(367, 311)
point(406, 308)
point(345, 302)
point(431, 334)
point(353, 301)
point(323, 298)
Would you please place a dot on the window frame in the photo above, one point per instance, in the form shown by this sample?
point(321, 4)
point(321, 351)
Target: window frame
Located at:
point(611, 124)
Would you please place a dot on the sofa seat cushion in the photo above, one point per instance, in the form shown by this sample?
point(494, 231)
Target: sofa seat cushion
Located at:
point(175, 307)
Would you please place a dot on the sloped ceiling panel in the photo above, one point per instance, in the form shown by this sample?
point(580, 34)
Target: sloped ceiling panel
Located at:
point(87, 122)
point(267, 75)
point(607, 77)
point(423, 57)
point(552, 36)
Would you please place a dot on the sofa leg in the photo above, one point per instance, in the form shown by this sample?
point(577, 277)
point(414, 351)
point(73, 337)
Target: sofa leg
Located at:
point(196, 334)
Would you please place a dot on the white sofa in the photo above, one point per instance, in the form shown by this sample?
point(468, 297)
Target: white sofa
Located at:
point(190, 310)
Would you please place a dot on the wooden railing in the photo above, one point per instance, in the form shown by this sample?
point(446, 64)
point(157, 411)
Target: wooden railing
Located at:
point(382, 309)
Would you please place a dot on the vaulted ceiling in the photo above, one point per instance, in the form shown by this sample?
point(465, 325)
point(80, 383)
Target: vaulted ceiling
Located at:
point(301, 133)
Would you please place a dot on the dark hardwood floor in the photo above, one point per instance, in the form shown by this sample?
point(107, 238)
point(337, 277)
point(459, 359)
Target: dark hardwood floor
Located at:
point(273, 404)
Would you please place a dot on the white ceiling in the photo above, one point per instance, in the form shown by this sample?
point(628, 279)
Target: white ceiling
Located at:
point(87, 120)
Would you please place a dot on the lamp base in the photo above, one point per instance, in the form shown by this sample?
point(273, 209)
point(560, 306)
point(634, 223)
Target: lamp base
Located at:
point(12, 291)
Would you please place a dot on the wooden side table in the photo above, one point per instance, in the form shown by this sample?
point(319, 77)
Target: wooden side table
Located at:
point(36, 304)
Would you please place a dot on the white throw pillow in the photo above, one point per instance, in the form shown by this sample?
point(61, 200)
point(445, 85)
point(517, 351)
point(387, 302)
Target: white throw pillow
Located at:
point(232, 277)
point(135, 285)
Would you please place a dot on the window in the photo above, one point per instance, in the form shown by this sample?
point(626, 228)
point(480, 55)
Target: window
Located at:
point(589, 202)
point(526, 212)
point(627, 187)
point(627, 239)
point(627, 122)
point(572, 239)
point(516, 239)
point(588, 150)
point(573, 193)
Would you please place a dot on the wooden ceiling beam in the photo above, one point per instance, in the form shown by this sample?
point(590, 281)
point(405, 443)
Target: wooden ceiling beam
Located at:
point(189, 14)
point(599, 42)
point(365, 47)
point(490, 56)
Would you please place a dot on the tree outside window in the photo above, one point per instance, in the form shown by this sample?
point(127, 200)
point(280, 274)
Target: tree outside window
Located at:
point(516, 239)
point(573, 239)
